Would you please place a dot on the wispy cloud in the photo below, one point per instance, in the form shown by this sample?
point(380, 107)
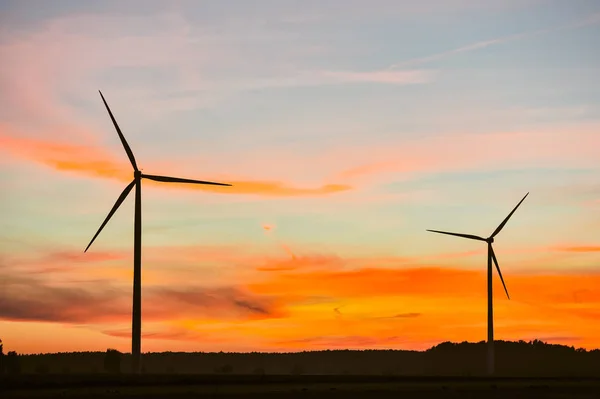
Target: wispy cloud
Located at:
point(453, 152)
point(301, 262)
point(464, 49)
point(581, 248)
point(425, 281)
point(93, 161)
point(171, 333)
point(590, 20)
point(215, 302)
point(382, 76)
point(33, 299)
point(64, 261)
point(191, 56)
point(269, 230)
point(377, 300)
point(315, 78)
point(87, 159)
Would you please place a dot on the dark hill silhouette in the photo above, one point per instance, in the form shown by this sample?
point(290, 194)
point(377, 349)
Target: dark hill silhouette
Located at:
point(518, 359)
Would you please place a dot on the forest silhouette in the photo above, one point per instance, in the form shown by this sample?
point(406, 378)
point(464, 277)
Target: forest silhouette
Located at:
point(514, 359)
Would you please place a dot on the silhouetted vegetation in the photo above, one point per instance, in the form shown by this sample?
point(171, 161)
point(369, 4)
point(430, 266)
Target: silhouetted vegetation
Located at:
point(526, 359)
point(297, 370)
point(12, 363)
point(226, 369)
point(1, 358)
point(112, 361)
point(42, 369)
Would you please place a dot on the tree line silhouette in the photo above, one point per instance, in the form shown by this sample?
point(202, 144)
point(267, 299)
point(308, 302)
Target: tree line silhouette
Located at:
point(9, 363)
point(519, 359)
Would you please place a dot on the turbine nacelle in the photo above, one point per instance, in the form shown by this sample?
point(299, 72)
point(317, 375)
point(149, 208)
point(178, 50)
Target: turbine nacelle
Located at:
point(490, 240)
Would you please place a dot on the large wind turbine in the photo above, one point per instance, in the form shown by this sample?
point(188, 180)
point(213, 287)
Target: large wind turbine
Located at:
point(491, 256)
point(136, 324)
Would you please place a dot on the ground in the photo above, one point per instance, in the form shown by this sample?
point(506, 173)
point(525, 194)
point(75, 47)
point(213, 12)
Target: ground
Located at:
point(156, 387)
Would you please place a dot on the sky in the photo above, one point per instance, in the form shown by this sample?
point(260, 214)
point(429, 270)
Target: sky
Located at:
point(347, 129)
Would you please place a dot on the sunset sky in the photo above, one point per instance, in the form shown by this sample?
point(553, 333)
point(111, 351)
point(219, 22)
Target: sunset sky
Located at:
point(347, 127)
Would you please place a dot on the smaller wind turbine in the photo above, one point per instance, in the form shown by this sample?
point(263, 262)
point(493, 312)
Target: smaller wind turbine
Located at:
point(491, 256)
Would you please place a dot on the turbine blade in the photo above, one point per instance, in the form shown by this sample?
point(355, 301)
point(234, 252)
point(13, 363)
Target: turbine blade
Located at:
point(469, 236)
point(508, 217)
point(167, 179)
point(127, 149)
point(499, 272)
point(113, 210)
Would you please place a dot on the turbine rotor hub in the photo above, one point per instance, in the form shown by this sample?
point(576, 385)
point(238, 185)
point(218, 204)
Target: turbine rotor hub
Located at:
point(490, 240)
point(137, 174)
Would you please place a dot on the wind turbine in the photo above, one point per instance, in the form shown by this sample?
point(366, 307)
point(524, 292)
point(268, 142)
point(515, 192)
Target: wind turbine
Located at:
point(491, 256)
point(136, 324)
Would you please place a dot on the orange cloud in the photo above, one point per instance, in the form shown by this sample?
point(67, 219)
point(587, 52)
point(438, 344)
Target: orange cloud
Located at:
point(268, 188)
point(386, 301)
point(369, 282)
point(85, 159)
point(428, 281)
point(268, 227)
point(451, 304)
point(96, 162)
point(588, 248)
point(292, 306)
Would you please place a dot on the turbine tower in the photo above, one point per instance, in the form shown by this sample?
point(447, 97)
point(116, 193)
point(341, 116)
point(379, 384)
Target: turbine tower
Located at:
point(491, 256)
point(136, 322)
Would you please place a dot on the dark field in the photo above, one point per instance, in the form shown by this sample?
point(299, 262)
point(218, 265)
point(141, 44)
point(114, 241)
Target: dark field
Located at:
point(448, 370)
point(173, 386)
